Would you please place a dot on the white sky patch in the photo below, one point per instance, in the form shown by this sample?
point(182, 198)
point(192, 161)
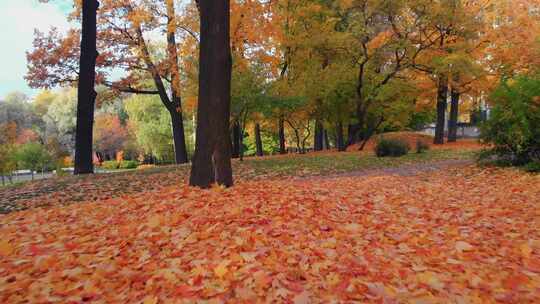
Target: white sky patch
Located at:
point(18, 19)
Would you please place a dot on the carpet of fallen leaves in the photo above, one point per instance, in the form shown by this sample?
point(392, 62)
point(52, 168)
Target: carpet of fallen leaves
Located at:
point(465, 235)
point(413, 137)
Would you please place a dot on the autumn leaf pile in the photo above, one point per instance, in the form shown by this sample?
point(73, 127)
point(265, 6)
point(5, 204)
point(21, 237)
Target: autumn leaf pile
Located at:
point(466, 235)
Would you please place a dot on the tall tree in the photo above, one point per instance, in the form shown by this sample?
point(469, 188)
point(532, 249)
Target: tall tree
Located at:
point(212, 159)
point(123, 38)
point(86, 92)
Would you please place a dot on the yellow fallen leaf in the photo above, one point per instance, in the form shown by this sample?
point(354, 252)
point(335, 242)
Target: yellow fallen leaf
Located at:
point(154, 221)
point(150, 300)
point(431, 279)
point(462, 246)
point(5, 248)
point(332, 279)
point(221, 270)
point(353, 227)
point(526, 250)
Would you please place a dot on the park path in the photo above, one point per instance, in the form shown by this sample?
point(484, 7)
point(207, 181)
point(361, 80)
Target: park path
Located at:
point(402, 170)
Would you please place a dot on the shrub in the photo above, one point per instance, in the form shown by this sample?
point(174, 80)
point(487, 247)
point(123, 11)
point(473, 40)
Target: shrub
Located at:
point(110, 165)
point(421, 146)
point(128, 164)
point(391, 147)
point(514, 126)
point(533, 167)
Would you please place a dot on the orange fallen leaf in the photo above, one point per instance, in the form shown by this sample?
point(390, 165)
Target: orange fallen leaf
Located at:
point(221, 270)
point(5, 248)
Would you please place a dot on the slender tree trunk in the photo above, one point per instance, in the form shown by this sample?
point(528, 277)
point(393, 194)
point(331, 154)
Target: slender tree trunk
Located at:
point(86, 96)
point(326, 140)
point(319, 136)
point(236, 140)
point(442, 95)
point(3, 180)
point(179, 140)
point(241, 144)
point(353, 134)
point(282, 149)
point(454, 114)
point(340, 140)
point(258, 140)
point(212, 160)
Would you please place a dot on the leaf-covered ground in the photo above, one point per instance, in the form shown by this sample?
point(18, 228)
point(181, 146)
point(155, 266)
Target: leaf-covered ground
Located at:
point(71, 189)
point(464, 235)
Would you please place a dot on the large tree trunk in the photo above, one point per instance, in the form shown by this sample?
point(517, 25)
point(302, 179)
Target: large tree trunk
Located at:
point(179, 140)
point(86, 97)
point(442, 95)
point(340, 140)
point(258, 140)
point(454, 114)
point(282, 148)
point(319, 136)
point(236, 130)
point(212, 160)
point(180, 151)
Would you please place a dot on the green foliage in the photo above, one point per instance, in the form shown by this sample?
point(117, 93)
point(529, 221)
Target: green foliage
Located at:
point(110, 165)
point(32, 156)
point(514, 126)
point(115, 165)
point(150, 122)
point(391, 147)
point(421, 118)
point(270, 143)
point(533, 167)
point(421, 146)
point(129, 164)
point(8, 163)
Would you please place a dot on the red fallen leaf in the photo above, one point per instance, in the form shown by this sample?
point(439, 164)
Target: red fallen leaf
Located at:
point(71, 246)
point(533, 265)
point(197, 280)
point(514, 281)
point(295, 286)
point(184, 291)
point(342, 286)
point(36, 250)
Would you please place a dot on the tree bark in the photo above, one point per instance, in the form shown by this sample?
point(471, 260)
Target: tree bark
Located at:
point(353, 134)
point(179, 140)
point(212, 160)
point(319, 136)
point(86, 96)
point(442, 95)
point(326, 140)
point(340, 140)
point(258, 140)
point(454, 114)
point(236, 130)
point(282, 149)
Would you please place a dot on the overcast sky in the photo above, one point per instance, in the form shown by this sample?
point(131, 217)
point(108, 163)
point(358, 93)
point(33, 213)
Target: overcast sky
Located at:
point(18, 19)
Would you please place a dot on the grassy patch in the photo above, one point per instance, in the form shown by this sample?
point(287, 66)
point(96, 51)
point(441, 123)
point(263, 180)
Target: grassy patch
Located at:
point(331, 163)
